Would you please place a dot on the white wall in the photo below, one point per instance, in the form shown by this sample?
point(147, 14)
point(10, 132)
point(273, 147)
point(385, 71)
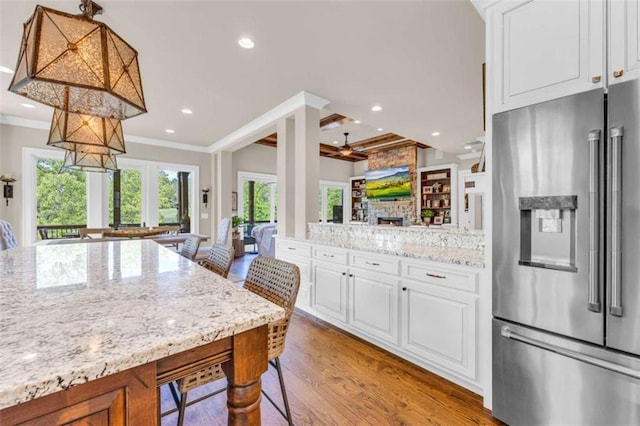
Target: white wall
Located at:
point(14, 138)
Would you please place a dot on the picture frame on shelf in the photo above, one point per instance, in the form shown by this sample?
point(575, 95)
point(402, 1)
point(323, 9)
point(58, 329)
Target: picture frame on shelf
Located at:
point(427, 190)
point(438, 220)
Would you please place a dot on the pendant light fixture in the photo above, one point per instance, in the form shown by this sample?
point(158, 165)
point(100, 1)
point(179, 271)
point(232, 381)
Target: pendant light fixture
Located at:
point(76, 64)
point(345, 149)
point(86, 133)
point(88, 162)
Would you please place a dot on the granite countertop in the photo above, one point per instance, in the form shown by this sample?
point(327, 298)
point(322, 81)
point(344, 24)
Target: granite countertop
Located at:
point(445, 245)
point(451, 255)
point(74, 313)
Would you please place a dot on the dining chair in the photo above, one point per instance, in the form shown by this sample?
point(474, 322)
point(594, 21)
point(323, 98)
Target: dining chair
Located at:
point(224, 230)
point(190, 247)
point(278, 282)
point(44, 235)
point(7, 237)
point(219, 259)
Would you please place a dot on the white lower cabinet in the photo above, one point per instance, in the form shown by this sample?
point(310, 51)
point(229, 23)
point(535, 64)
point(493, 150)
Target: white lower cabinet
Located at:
point(439, 325)
point(298, 253)
point(374, 304)
point(330, 289)
point(425, 312)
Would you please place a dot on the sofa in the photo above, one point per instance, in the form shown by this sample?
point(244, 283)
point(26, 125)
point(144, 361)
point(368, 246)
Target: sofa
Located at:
point(263, 235)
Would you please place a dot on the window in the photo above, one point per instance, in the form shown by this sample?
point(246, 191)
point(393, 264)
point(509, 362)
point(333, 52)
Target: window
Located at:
point(331, 201)
point(168, 197)
point(125, 208)
point(147, 193)
point(61, 197)
point(259, 197)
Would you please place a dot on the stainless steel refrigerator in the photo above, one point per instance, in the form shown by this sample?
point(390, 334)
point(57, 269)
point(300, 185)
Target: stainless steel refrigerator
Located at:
point(566, 260)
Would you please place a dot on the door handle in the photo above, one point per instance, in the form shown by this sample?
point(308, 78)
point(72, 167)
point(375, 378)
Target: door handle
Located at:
point(435, 276)
point(615, 155)
point(509, 334)
point(593, 303)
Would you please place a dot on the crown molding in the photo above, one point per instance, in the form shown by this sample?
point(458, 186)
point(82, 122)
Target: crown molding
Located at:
point(468, 155)
point(43, 125)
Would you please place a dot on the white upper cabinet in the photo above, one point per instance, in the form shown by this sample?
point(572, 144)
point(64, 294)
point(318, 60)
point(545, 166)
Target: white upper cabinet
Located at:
point(544, 49)
point(624, 44)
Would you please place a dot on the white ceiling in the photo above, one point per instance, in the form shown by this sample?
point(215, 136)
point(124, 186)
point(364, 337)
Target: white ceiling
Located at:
point(420, 60)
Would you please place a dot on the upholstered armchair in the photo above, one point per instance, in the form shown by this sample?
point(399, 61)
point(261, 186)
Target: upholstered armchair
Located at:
point(7, 237)
point(263, 235)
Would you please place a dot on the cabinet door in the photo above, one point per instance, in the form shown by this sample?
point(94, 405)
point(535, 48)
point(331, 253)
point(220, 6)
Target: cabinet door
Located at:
point(374, 304)
point(125, 398)
point(624, 41)
point(330, 289)
point(439, 325)
point(541, 50)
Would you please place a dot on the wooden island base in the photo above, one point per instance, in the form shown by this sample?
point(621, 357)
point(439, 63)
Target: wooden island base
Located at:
point(131, 397)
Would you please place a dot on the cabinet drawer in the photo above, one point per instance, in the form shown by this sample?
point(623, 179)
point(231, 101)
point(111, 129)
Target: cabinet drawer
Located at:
point(387, 265)
point(450, 278)
point(292, 247)
point(330, 254)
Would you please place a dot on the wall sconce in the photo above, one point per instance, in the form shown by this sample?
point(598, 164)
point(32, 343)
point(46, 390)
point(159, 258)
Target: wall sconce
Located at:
point(8, 188)
point(205, 196)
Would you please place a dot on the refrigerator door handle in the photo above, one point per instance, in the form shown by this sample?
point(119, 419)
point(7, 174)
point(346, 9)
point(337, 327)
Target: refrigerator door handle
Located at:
point(593, 303)
point(615, 158)
point(506, 332)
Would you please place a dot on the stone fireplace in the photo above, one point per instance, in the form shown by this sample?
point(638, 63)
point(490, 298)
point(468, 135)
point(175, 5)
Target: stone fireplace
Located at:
point(394, 221)
point(404, 209)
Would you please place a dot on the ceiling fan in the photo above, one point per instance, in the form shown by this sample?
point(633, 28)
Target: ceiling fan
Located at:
point(346, 149)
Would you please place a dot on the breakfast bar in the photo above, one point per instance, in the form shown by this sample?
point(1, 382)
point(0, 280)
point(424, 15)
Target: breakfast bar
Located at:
point(90, 331)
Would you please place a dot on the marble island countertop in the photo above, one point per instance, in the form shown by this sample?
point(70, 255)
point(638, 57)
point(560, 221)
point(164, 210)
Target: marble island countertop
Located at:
point(446, 245)
point(74, 313)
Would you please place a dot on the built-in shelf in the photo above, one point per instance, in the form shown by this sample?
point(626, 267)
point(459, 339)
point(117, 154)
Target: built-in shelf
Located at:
point(359, 204)
point(437, 191)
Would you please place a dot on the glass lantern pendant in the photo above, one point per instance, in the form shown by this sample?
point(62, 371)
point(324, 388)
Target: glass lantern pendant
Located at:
point(86, 133)
point(88, 162)
point(76, 64)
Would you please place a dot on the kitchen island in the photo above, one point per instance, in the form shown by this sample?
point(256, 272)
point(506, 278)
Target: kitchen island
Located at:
point(93, 330)
point(420, 293)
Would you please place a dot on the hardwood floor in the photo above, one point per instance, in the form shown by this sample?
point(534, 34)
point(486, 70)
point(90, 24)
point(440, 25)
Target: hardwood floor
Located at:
point(336, 379)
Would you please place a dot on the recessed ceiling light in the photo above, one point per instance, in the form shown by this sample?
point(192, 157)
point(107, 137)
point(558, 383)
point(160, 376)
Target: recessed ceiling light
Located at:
point(467, 147)
point(336, 142)
point(376, 108)
point(246, 43)
point(6, 70)
point(170, 131)
point(357, 122)
point(380, 129)
point(186, 111)
point(28, 106)
point(435, 134)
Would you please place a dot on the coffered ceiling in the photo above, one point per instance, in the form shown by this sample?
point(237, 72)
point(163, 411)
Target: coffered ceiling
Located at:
point(420, 60)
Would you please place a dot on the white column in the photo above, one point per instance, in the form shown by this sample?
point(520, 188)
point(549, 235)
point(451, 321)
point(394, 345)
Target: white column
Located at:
point(307, 165)
point(97, 200)
point(223, 173)
point(211, 224)
point(285, 168)
point(150, 213)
